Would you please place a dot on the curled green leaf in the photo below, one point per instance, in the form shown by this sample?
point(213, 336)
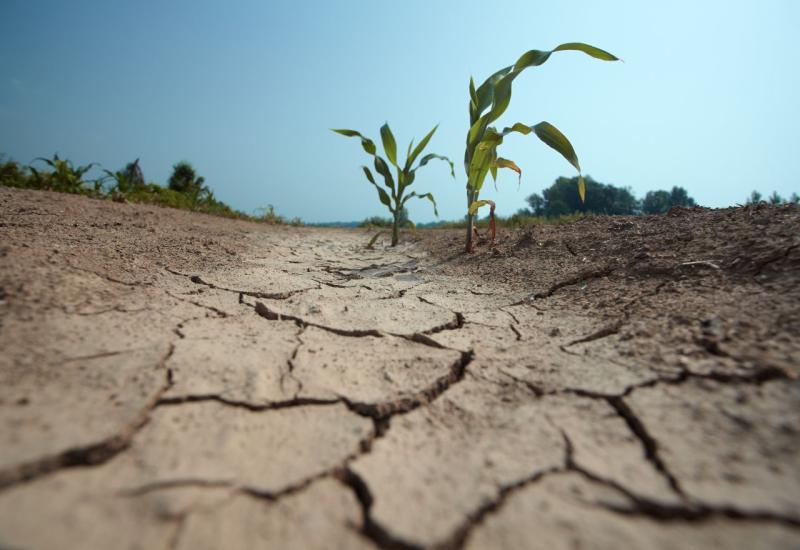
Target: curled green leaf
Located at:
point(389, 144)
point(553, 137)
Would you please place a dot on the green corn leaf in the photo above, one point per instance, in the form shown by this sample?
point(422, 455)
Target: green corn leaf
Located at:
point(408, 152)
point(518, 127)
point(348, 133)
point(510, 164)
point(366, 143)
point(369, 146)
point(582, 188)
point(428, 196)
point(383, 169)
point(481, 164)
point(473, 101)
point(553, 137)
point(493, 170)
point(485, 92)
point(419, 148)
point(485, 152)
point(432, 156)
point(369, 175)
point(532, 58)
point(475, 132)
point(473, 94)
point(491, 139)
point(49, 162)
point(81, 170)
point(384, 197)
point(587, 49)
point(408, 179)
point(496, 90)
point(389, 144)
point(375, 238)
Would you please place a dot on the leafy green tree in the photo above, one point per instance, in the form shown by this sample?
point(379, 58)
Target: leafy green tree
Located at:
point(678, 196)
point(184, 179)
point(536, 202)
point(655, 202)
point(659, 202)
point(560, 199)
point(12, 174)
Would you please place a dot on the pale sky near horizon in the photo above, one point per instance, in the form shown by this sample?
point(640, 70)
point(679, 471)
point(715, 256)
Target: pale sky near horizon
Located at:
point(247, 91)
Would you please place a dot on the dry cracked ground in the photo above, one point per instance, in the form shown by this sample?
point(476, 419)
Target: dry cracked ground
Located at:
point(172, 380)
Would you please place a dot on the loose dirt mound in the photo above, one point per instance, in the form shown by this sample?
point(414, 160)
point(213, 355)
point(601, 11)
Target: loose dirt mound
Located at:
point(171, 380)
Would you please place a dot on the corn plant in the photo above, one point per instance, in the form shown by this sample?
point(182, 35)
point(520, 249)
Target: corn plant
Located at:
point(396, 198)
point(64, 177)
point(487, 103)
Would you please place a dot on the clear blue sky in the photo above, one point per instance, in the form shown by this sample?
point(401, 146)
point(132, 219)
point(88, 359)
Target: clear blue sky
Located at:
point(707, 97)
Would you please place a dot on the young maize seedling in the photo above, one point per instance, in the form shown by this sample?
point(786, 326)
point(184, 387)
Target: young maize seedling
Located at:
point(65, 177)
point(486, 105)
point(396, 198)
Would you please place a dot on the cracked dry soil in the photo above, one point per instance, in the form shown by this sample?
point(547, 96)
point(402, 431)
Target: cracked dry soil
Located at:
point(172, 380)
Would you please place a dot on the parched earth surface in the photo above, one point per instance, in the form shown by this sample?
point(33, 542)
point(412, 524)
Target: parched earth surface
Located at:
point(172, 380)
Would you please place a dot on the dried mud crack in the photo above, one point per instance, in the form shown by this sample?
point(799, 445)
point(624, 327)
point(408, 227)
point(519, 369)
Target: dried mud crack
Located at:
point(179, 381)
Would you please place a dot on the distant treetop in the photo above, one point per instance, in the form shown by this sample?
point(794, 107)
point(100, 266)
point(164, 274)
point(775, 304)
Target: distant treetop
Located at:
point(601, 198)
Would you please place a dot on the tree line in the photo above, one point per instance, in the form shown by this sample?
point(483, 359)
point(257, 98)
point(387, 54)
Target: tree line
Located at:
point(560, 199)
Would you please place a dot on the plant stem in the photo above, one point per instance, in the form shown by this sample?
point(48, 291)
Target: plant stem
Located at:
point(395, 228)
point(470, 230)
point(470, 219)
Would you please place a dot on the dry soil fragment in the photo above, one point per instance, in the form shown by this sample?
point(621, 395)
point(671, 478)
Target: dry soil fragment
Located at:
point(359, 309)
point(212, 301)
point(564, 511)
point(31, 522)
point(439, 464)
point(323, 516)
point(368, 369)
point(478, 337)
point(547, 321)
point(254, 280)
point(187, 458)
point(83, 508)
point(550, 369)
point(459, 294)
point(264, 451)
point(728, 445)
point(237, 358)
point(604, 445)
point(48, 409)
